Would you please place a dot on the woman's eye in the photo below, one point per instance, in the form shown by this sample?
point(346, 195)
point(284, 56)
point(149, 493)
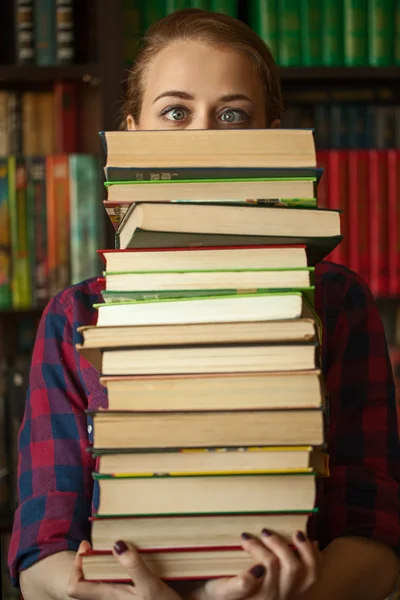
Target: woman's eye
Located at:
point(233, 116)
point(175, 114)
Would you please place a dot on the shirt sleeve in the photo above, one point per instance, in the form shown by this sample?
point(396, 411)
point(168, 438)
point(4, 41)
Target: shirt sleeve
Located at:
point(361, 496)
point(54, 470)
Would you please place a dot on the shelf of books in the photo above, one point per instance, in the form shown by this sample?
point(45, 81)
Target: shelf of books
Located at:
point(340, 66)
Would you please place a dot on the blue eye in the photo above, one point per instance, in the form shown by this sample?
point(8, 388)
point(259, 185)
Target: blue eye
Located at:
point(175, 114)
point(235, 116)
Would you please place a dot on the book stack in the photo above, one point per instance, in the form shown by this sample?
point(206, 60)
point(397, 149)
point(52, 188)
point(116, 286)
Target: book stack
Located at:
point(208, 345)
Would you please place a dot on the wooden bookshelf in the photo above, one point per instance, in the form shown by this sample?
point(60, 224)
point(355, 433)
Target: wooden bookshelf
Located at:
point(25, 75)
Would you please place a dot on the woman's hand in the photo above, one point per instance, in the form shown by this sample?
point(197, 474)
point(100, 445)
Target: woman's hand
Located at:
point(147, 585)
point(279, 572)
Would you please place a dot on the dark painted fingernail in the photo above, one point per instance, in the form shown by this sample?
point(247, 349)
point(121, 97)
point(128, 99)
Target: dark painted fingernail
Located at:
point(258, 571)
point(266, 532)
point(300, 536)
point(245, 536)
point(120, 547)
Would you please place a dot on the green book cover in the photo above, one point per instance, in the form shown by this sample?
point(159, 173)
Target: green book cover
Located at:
point(151, 11)
point(355, 33)
point(131, 31)
point(44, 19)
point(21, 278)
point(100, 476)
point(381, 32)
point(5, 239)
point(203, 4)
point(311, 32)
point(332, 33)
point(289, 27)
point(173, 5)
point(263, 18)
point(397, 32)
point(227, 7)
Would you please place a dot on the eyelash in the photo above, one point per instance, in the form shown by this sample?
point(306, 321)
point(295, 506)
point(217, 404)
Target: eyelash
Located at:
point(166, 110)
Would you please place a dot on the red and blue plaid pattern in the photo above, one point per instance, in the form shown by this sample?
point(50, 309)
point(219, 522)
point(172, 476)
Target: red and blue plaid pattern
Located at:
point(361, 497)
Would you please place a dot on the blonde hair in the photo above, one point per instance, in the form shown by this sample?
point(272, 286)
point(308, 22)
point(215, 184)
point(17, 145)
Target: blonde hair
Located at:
point(213, 28)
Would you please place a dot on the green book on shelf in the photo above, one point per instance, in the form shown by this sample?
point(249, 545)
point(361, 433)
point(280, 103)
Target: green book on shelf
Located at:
point(355, 33)
point(203, 4)
point(263, 18)
point(227, 7)
point(397, 32)
point(332, 33)
point(151, 12)
point(381, 32)
point(289, 27)
point(311, 32)
point(173, 5)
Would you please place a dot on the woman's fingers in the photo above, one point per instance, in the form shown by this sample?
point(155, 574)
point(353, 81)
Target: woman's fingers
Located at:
point(265, 557)
point(79, 589)
point(239, 587)
point(310, 558)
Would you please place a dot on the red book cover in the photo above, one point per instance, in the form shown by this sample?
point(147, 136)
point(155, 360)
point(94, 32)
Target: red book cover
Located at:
point(393, 157)
point(66, 117)
point(359, 259)
point(378, 221)
point(338, 176)
point(322, 190)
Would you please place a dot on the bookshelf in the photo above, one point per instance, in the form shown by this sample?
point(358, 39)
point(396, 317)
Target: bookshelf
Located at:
point(105, 76)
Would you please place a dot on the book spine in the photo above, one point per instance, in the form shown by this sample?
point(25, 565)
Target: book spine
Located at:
point(21, 288)
point(380, 32)
point(355, 33)
point(116, 212)
point(66, 117)
point(14, 122)
point(30, 124)
point(5, 240)
point(289, 33)
point(131, 32)
point(378, 222)
point(311, 38)
point(45, 27)
point(338, 126)
point(356, 126)
point(332, 33)
point(394, 221)
point(173, 5)
point(46, 123)
point(322, 126)
point(227, 7)
point(65, 42)
point(85, 218)
point(37, 186)
point(323, 163)
point(152, 12)
point(397, 32)
point(358, 214)
point(24, 34)
point(263, 18)
point(203, 4)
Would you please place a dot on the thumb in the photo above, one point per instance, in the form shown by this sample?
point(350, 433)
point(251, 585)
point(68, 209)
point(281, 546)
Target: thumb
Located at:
point(130, 559)
point(234, 588)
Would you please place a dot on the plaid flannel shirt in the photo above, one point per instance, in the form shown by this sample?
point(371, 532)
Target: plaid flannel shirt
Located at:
point(361, 496)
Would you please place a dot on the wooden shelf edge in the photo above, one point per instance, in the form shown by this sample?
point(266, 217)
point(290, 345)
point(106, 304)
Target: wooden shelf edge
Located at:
point(34, 74)
point(340, 73)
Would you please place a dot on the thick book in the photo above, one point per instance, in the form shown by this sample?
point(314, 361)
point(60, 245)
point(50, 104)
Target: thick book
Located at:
point(238, 190)
point(180, 530)
point(202, 258)
point(219, 391)
point(272, 148)
point(170, 564)
point(217, 494)
point(207, 429)
point(208, 309)
point(176, 225)
point(224, 358)
point(96, 338)
point(213, 461)
point(137, 284)
point(129, 173)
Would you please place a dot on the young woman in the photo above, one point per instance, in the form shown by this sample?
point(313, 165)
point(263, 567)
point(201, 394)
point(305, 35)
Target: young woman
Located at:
point(202, 70)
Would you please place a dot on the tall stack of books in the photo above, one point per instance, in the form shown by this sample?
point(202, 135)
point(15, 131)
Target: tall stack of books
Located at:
point(209, 347)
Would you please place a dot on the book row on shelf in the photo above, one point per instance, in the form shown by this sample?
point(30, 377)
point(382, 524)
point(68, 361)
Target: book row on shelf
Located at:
point(50, 226)
point(304, 32)
point(48, 32)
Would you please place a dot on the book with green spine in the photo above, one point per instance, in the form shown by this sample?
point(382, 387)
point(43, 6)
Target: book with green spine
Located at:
point(227, 7)
point(311, 32)
point(332, 33)
point(380, 32)
point(397, 32)
point(289, 27)
point(263, 18)
point(173, 5)
point(355, 33)
point(203, 4)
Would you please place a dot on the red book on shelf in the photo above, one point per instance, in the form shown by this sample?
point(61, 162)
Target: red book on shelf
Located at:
point(393, 157)
point(359, 259)
point(338, 176)
point(66, 117)
point(378, 221)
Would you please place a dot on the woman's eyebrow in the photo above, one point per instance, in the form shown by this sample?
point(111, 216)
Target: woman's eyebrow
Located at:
point(232, 97)
point(176, 94)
